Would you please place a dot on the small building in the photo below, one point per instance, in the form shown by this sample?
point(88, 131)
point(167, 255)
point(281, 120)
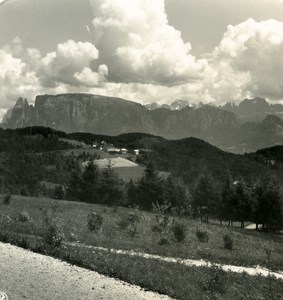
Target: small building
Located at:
point(137, 151)
point(113, 150)
point(123, 150)
point(85, 163)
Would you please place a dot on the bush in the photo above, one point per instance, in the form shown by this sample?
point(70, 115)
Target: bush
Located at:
point(5, 220)
point(4, 237)
point(7, 199)
point(163, 242)
point(23, 217)
point(202, 236)
point(164, 224)
point(228, 241)
point(53, 236)
point(215, 280)
point(94, 221)
point(179, 232)
point(129, 222)
point(58, 192)
point(22, 242)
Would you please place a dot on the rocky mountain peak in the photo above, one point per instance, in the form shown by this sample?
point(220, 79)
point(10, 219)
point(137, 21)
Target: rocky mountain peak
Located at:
point(254, 105)
point(272, 124)
point(21, 103)
point(178, 104)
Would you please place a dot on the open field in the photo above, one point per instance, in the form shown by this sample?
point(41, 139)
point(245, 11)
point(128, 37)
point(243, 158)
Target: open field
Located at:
point(189, 282)
point(249, 246)
point(125, 173)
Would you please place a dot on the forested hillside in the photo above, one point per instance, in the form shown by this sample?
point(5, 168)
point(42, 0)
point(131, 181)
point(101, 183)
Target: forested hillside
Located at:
point(205, 181)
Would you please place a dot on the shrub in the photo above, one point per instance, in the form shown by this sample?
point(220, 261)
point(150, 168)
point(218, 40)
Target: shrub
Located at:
point(164, 224)
point(163, 242)
point(129, 222)
point(228, 241)
point(23, 217)
point(72, 234)
point(202, 236)
point(58, 192)
point(94, 221)
point(179, 232)
point(53, 236)
point(22, 242)
point(4, 237)
point(215, 280)
point(7, 199)
point(5, 220)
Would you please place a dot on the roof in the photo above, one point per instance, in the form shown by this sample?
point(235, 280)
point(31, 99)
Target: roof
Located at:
point(118, 162)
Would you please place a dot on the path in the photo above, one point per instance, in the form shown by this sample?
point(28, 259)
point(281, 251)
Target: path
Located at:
point(253, 271)
point(31, 276)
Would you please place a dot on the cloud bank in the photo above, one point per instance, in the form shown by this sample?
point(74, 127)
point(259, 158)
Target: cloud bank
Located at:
point(137, 55)
point(143, 46)
point(252, 54)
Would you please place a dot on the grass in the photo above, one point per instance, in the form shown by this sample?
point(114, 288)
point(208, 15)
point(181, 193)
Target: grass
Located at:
point(189, 282)
point(249, 246)
point(175, 280)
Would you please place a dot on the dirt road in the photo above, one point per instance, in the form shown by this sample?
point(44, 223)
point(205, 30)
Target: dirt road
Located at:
point(27, 275)
point(253, 271)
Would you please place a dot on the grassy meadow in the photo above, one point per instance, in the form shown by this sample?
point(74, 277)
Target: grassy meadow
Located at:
point(250, 248)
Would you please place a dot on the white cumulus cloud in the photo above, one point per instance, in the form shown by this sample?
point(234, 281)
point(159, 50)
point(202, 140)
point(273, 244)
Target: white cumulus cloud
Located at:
point(249, 59)
point(69, 63)
point(138, 44)
point(137, 55)
point(25, 72)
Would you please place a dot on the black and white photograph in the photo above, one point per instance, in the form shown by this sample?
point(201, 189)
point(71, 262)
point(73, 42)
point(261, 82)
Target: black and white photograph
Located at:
point(141, 149)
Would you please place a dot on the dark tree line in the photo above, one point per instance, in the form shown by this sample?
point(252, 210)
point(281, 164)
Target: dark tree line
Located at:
point(235, 201)
point(151, 189)
point(104, 187)
point(95, 186)
point(259, 202)
point(31, 155)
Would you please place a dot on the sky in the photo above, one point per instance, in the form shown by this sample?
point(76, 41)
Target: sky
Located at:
point(209, 51)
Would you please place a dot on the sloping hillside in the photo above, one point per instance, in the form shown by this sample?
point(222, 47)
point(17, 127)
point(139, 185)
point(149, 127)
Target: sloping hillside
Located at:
point(185, 159)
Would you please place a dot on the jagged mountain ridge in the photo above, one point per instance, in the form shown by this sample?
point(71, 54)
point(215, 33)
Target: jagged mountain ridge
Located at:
point(178, 104)
point(254, 110)
point(114, 116)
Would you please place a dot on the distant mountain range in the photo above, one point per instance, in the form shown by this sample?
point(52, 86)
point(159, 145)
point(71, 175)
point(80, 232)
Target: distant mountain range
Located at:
point(175, 105)
point(224, 127)
point(254, 110)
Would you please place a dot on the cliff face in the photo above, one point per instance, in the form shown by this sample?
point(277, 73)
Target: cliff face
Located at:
point(91, 113)
point(20, 116)
point(113, 116)
point(254, 110)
